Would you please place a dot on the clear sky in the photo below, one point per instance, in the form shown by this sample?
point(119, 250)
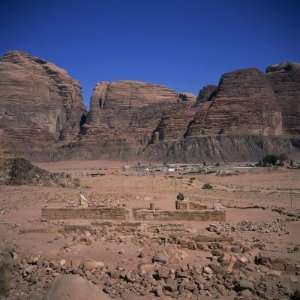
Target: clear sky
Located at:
point(183, 44)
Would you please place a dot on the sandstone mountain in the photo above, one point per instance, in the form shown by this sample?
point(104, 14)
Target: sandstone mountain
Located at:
point(126, 116)
point(40, 104)
point(248, 114)
point(243, 104)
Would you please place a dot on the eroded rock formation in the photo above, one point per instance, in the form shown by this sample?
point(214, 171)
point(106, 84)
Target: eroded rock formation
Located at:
point(227, 148)
point(206, 93)
point(125, 116)
point(40, 104)
point(248, 114)
point(243, 104)
point(285, 80)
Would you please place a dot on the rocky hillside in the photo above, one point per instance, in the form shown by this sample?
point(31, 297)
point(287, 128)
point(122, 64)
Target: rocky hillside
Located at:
point(248, 114)
point(19, 171)
point(41, 104)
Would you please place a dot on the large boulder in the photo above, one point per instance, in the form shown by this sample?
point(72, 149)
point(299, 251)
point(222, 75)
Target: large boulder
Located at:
point(74, 287)
point(40, 104)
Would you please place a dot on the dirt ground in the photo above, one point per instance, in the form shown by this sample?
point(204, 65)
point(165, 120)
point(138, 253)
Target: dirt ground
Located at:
point(262, 220)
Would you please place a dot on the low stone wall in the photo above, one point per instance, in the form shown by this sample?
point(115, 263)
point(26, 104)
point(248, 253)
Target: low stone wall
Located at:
point(182, 205)
point(197, 206)
point(179, 215)
point(103, 213)
point(138, 214)
point(186, 205)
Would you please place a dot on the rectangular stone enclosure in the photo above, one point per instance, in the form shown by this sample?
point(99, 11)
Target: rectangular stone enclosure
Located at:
point(138, 214)
point(103, 213)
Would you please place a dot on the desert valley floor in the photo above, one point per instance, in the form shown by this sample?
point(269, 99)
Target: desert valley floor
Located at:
point(253, 254)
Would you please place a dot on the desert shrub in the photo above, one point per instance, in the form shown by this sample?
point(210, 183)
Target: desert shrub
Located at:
point(207, 186)
point(270, 159)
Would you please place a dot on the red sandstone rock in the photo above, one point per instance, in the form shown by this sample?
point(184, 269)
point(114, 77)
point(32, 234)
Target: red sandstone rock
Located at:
point(243, 104)
point(41, 114)
point(206, 93)
point(285, 80)
point(174, 123)
point(125, 115)
point(40, 103)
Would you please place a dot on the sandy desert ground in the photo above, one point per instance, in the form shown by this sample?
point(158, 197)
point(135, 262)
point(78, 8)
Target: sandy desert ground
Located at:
point(255, 254)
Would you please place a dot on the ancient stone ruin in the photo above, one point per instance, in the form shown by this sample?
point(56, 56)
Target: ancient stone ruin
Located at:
point(185, 211)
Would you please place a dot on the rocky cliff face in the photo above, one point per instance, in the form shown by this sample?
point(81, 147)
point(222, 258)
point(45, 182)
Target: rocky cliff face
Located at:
point(248, 114)
point(174, 122)
point(40, 104)
point(243, 104)
point(126, 116)
point(206, 93)
point(285, 80)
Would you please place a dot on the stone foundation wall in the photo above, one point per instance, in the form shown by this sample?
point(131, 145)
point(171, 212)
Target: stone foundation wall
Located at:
point(186, 205)
point(103, 213)
point(107, 213)
point(197, 206)
point(179, 215)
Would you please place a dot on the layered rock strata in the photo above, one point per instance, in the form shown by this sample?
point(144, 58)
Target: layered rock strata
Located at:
point(285, 81)
point(40, 103)
point(247, 115)
point(243, 104)
point(206, 93)
point(126, 116)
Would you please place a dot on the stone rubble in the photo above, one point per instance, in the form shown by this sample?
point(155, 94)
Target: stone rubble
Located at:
point(234, 269)
point(263, 227)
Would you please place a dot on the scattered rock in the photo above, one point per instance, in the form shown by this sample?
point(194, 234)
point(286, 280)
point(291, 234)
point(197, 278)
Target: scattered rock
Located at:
point(160, 258)
point(245, 285)
point(90, 265)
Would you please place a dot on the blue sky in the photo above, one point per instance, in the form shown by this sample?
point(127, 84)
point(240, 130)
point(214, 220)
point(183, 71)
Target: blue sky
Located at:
point(183, 44)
